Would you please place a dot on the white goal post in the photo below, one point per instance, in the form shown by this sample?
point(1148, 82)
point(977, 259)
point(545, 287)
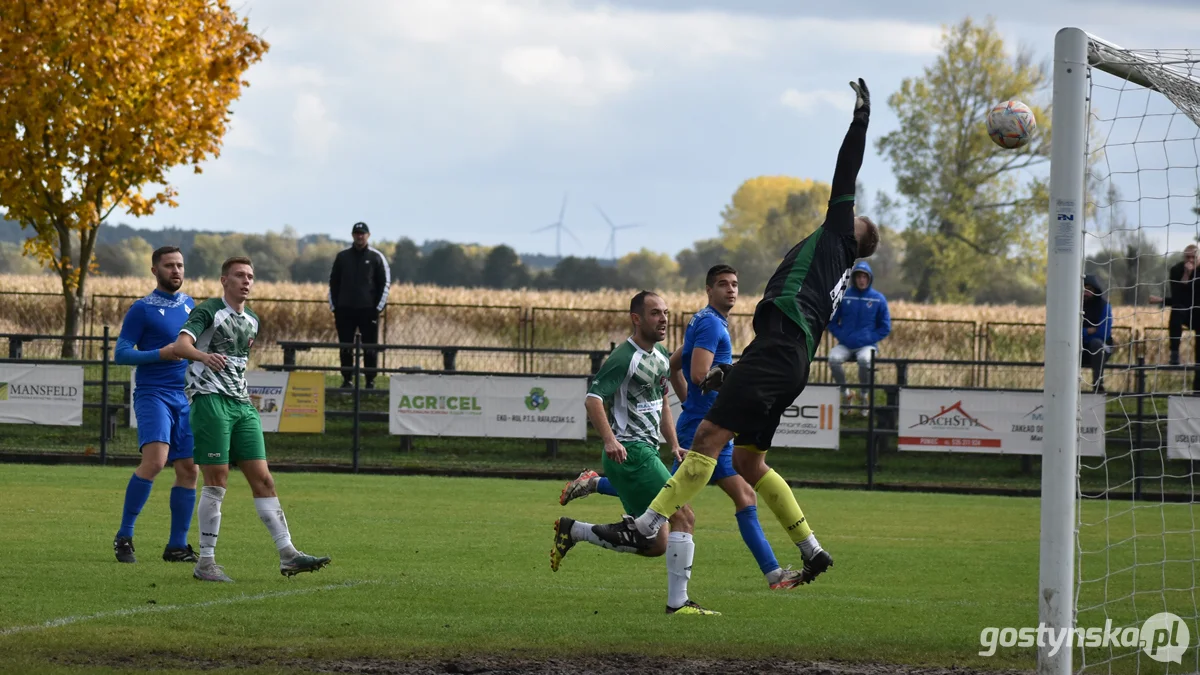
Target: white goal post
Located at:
point(1173, 75)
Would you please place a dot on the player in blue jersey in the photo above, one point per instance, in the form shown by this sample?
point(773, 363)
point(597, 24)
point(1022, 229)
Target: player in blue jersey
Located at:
point(705, 343)
point(164, 433)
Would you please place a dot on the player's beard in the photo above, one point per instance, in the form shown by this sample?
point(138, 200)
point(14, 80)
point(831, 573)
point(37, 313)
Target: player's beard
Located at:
point(168, 284)
point(650, 334)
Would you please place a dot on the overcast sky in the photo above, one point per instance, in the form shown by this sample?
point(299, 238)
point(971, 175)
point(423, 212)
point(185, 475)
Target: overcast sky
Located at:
point(468, 119)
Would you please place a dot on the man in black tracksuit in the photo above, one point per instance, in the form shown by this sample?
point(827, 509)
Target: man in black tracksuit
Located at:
point(1184, 301)
point(358, 291)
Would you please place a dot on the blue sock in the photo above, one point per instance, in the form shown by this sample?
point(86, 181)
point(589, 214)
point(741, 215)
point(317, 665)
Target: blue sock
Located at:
point(136, 495)
point(756, 541)
point(604, 487)
point(183, 501)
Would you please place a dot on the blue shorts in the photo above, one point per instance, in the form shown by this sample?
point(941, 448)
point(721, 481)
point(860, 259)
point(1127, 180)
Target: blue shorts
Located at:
point(685, 429)
point(162, 417)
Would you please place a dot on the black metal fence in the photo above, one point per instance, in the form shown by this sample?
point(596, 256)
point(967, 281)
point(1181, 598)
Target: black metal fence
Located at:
point(357, 418)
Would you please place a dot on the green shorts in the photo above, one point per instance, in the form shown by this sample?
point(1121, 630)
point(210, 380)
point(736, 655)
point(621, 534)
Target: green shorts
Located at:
point(637, 481)
point(225, 429)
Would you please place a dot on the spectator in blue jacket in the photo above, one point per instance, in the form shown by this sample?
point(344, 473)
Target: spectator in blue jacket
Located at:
point(1097, 329)
point(860, 322)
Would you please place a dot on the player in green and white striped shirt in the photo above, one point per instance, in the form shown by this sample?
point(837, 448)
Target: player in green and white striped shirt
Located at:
point(628, 406)
point(217, 338)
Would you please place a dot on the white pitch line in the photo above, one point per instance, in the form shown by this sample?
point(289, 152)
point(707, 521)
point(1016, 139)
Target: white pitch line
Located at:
point(68, 620)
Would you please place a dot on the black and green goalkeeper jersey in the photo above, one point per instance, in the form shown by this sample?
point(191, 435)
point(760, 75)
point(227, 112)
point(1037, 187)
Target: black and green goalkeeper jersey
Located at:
point(808, 285)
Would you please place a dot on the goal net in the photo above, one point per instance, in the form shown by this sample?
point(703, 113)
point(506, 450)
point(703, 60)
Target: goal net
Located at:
point(1124, 211)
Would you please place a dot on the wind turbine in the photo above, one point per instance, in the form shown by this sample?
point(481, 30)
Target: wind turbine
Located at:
point(612, 231)
point(559, 228)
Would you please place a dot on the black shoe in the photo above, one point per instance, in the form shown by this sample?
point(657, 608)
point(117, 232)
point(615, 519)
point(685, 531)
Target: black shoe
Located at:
point(624, 535)
point(123, 547)
point(562, 542)
point(347, 384)
point(370, 384)
point(186, 554)
point(814, 567)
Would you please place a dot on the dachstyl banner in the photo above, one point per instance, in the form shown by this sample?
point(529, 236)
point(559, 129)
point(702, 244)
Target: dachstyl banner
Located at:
point(37, 394)
point(479, 405)
point(812, 421)
point(1006, 423)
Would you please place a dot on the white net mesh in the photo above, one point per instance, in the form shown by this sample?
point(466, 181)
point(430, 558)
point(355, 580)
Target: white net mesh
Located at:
point(1137, 548)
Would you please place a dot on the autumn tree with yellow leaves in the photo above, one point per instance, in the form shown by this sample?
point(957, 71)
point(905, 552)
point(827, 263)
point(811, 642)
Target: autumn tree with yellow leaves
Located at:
point(99, 99)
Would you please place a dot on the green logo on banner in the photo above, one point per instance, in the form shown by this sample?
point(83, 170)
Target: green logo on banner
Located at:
point(537, 399)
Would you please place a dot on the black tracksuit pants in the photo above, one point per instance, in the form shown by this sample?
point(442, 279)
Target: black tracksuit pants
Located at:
point(366, 323)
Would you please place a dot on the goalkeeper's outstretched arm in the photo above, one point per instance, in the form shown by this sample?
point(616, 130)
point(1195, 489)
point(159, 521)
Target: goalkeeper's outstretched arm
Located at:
point(849, 161)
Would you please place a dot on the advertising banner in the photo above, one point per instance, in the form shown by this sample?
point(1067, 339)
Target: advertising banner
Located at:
point(286, 402)
point(1007, 423)
point(813, 421)
point(504, 407)
point(1183, 427)
point(39, 394)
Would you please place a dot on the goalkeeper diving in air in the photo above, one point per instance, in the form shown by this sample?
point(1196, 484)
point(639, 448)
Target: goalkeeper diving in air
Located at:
point(797, 305)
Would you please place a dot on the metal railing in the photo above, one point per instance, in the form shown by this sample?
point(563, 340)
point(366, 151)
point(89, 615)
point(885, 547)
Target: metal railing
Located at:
point(107, 397)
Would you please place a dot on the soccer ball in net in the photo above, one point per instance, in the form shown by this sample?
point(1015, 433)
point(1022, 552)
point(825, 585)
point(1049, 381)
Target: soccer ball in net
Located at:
point(1011, 124)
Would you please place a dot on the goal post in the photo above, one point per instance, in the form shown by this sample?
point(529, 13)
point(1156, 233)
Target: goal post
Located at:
point(1064, 273)
point(1126, 143)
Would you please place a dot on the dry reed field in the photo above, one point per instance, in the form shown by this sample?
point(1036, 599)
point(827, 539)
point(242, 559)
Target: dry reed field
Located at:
point(436, 316)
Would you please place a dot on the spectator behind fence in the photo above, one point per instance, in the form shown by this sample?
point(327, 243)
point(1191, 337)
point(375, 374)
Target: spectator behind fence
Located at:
point(1097, 329)
point(860, 322)
point(1181, 298)
point(358, 291)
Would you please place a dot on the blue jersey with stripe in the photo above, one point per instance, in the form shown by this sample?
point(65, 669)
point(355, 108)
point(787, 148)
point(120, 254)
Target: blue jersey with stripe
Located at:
point(152, 323)
point(707, 330)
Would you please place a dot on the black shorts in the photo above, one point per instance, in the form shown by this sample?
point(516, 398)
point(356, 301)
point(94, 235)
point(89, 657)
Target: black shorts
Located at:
point(772, 372)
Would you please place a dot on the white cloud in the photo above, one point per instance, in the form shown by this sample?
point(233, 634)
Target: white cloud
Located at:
point(243, 135)
point(312, 129)
point(571, 77)
point(806, 102)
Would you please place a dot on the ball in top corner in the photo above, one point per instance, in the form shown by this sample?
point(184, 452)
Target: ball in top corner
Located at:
point(1011, 124)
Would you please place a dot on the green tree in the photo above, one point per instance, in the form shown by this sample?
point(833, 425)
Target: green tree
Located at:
point(406, 262)
point(450, 266)
point(502, 268)
point(101, 99)
point(766, 216)
point(581, 274)
point(12, 261)
point(970, 203)
point(315, 262)
point(649, 270)
point(273, 254)
point(207, 254)
point(695, 262)
point(130, 258)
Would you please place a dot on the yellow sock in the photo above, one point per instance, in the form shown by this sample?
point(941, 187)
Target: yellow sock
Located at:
point(693, 474)
point(775, 492)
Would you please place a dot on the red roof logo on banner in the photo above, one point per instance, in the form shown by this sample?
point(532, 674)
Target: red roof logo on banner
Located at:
point(945, 420)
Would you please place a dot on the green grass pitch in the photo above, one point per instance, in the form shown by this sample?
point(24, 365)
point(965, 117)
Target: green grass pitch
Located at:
point(430, 568)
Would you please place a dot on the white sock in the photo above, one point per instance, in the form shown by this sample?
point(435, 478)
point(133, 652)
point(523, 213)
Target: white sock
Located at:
point(809, 547)
point(650, 522)
point(582, 531)
point(680, 550)
point(271, 514)
point(208, 517)
point(774, 575)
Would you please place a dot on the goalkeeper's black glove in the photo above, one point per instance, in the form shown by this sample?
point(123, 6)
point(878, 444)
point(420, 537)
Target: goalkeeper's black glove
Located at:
point(715, 377)
point(862, 101)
